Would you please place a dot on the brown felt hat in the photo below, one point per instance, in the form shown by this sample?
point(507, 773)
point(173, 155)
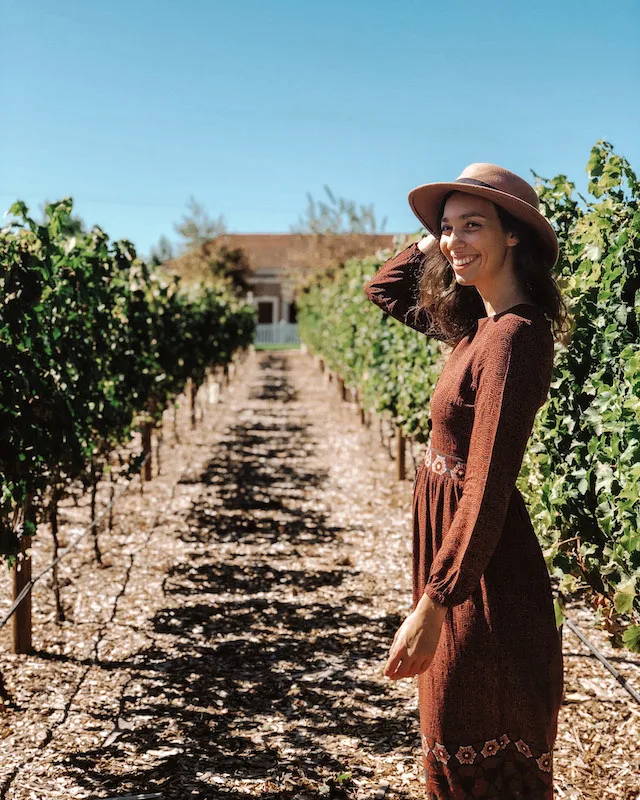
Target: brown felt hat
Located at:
point(503, 187)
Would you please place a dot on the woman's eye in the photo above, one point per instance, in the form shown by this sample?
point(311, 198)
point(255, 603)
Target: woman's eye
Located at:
point(444, 228)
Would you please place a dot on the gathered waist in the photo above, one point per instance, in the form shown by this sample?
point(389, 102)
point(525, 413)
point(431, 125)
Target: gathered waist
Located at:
point(442, 463)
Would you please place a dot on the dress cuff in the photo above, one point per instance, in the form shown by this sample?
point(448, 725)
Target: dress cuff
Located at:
point(437, 596)
point(415, 250)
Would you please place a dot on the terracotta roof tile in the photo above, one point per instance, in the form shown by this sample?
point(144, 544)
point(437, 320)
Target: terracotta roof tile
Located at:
point(279, 250)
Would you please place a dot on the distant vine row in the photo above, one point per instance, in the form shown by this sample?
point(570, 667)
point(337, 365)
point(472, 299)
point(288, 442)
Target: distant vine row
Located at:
point(93, 346)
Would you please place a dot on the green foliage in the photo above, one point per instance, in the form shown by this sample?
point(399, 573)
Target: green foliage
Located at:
point(395, 367)
point(587, 466)
point(581, 473)
point(91, 342)
point(197, 227)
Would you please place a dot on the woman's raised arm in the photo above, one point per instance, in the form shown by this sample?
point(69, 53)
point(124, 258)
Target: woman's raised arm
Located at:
point(394, 288)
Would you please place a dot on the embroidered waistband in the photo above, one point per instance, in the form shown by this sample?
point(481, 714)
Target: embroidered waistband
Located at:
point(443, 462)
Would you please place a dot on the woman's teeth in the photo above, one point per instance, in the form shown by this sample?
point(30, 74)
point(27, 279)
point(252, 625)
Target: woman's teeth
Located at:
point(462, 262)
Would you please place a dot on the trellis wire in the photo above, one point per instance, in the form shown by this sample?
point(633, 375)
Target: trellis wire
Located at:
point(602, 659)
point(87, 530)
point(29, 586)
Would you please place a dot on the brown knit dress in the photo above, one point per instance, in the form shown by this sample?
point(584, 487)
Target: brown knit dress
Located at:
point(490, 699)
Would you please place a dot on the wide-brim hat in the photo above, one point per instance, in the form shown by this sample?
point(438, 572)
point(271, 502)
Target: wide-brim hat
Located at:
point(503, 187)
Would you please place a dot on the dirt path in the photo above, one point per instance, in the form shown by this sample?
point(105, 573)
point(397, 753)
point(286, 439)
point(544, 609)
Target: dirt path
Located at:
point(234, 646)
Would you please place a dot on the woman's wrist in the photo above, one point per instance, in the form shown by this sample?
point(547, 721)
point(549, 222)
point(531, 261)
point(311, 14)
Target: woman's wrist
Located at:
point(426, 605)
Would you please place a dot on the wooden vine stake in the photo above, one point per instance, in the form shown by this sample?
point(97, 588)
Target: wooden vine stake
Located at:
point(159, 441)
point(175, 421)
point(194, 396)
point(95, 477)
point(147, 428)
point(53, 521)
point(21, 621)
point(112, 494)
point(360, 402)
point(400, 455)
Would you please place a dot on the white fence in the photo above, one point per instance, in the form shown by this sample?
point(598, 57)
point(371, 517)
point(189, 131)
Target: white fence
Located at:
point(277, 333)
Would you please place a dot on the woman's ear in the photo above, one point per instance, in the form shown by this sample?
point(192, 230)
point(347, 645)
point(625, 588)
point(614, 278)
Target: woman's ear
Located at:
point(512, 240)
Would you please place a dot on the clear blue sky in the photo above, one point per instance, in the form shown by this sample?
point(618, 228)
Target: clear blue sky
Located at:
point(131, 106)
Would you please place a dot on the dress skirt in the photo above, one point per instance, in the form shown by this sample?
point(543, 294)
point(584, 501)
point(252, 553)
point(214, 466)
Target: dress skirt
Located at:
point(489, 701)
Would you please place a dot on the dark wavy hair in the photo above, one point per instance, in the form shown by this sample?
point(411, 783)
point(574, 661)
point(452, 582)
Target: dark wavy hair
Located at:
point(454, 310)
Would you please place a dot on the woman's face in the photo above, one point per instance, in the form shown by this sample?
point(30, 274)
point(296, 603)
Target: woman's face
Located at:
point(473, 242)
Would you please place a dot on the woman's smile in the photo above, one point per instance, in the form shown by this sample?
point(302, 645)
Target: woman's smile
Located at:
point(462, 262)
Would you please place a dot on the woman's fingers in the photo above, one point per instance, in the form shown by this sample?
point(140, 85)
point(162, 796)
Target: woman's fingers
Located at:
point(395, 652)
point(393, 663)
point(405, 670)
point(426, 242)
point(407, 667)
point(400, 662)
point(397, 655)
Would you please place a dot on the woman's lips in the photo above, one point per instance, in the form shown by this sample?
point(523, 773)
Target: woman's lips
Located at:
point(459, 267)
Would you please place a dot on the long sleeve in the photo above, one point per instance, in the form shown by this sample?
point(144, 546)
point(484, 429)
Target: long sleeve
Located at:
point(394, 288)
point(513, 381)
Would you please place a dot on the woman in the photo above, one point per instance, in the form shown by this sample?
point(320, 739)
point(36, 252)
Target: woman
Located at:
point(481, 638)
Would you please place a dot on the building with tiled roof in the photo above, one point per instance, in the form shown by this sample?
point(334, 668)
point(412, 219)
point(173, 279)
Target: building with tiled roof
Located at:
point(280, 262)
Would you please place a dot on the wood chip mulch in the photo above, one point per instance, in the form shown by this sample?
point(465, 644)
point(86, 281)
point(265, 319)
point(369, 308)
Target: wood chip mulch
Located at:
point(232, 645)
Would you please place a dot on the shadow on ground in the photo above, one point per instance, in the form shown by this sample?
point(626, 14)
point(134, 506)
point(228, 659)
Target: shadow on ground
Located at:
point(265, 638)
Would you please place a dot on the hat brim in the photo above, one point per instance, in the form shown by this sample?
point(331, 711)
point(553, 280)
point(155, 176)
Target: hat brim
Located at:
point(425, 202)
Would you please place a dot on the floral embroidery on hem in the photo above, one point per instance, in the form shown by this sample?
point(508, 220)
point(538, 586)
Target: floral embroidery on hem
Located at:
point(545, 762)
point(490, 748)
point(467, 754)
point(505, 766)
point(523, 747)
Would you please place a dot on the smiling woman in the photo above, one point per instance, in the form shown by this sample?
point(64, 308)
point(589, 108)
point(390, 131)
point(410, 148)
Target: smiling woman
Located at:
point(514, 250)
point(481, 638)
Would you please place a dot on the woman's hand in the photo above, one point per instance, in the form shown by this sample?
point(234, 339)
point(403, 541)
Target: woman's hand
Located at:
point(427, 242)
point(415, 642)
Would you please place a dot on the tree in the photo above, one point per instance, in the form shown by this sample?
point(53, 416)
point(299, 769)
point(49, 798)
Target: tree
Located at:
point(227, 265)
point(163, 251)
point(341, 216)
point(330, 233)
point(201, 257)
point(197, 227)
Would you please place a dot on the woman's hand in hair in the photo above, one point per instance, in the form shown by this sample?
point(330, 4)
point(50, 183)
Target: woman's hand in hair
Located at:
point(427, 242)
